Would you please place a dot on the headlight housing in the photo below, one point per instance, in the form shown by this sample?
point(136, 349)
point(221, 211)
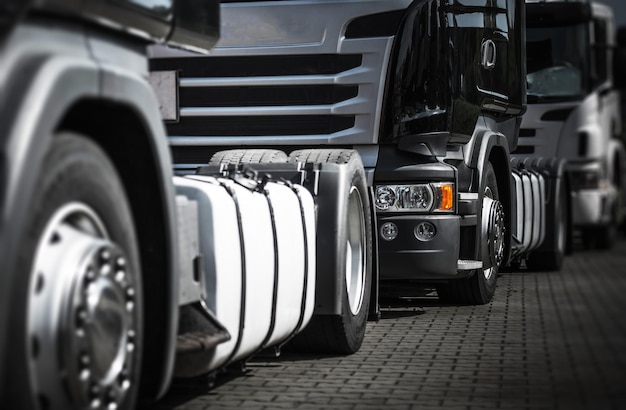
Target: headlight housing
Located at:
point(434, 197)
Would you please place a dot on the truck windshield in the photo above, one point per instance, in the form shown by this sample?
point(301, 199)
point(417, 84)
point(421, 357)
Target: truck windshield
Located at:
point(556, 63)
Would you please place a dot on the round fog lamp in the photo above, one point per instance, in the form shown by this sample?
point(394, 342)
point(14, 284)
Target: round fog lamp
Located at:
point(425, 231)
point(389, 231)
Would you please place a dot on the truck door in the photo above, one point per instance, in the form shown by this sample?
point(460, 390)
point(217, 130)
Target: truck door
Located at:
point(507, 73)
point(488, 55)
point(601, 63)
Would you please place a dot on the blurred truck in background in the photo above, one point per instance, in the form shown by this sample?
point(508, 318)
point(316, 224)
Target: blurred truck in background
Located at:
point(574, 111)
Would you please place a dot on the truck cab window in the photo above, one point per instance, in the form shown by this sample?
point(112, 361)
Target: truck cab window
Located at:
point(555, 62)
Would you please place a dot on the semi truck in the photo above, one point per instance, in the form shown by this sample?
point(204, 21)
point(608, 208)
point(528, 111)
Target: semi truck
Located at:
point(118, 275)
point(323, 147)
point(574, 111)
point(429, 94)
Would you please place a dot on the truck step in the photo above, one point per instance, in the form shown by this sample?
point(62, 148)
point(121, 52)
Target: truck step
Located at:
point(199, 341)
point(467, 264)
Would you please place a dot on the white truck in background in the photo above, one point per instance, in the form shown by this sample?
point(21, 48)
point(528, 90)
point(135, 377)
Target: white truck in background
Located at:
point(117, 275)
point(574, 111)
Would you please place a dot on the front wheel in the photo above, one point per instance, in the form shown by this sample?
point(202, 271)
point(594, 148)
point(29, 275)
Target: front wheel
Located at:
point(78, 329)
point(481, 286)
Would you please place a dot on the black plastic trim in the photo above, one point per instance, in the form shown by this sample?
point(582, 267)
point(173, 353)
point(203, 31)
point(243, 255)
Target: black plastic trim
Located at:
point(250, 66)
point(375, 25)
point(279, 125)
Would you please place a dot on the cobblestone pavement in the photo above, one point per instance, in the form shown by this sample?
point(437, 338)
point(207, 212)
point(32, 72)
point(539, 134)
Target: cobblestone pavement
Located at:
point(552, 340)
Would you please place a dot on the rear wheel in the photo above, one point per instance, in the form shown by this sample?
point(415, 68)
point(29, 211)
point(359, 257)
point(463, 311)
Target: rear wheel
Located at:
point(344, 251)
point(78, 322)
point(600, 237)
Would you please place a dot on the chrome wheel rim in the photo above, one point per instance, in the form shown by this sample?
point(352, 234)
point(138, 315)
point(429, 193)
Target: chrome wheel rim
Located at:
point(493, 228)
point(355, 252)
point(81, 314)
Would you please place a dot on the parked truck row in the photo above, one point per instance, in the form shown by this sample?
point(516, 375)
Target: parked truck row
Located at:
point(434, 125)
point(184, 185)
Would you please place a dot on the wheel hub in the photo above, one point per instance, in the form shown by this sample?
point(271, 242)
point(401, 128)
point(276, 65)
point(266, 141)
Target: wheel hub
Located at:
point(82, 314)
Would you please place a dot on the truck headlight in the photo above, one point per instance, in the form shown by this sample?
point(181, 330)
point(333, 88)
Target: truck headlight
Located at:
point(585, 179)
point(418, 197)
point(435, 197)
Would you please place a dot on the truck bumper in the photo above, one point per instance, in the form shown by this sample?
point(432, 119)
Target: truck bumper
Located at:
point(592, 206)
point(407, 257)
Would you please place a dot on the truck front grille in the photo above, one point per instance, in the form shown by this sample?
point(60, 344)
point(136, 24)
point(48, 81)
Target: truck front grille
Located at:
point(263, 100)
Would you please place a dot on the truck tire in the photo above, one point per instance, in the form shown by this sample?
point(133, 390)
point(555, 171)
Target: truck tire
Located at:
point(479, 288)
point(77, 328)
point(600, 237)
point(344, 250)
point(603, 237)
point(248, 156)
point(550, 256)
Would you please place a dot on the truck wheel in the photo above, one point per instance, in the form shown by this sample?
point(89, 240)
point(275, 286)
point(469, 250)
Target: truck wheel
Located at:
point(606, 236)
point(77, 320)
point(552, 257)
point(600, 237)
point(344, 250)
point(248, 156)
point(481, 286)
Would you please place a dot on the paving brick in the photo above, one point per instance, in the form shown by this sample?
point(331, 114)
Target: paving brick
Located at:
point(548, 340)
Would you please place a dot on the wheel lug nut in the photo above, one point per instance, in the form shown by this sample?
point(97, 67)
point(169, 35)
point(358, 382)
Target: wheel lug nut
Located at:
point(120, 262)
point(119, 276)
point(85, 360)
point(95, 404)
point(85, 374)
point(105, 255)
point(130, 306)
point(81, 317)
point(130, 292)
point(105, 269)
point(91, 275)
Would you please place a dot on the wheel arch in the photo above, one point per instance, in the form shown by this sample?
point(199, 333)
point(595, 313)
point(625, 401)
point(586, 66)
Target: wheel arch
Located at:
point(116, 109)
point(616, 163)
point(491, 147)
point(498, 157)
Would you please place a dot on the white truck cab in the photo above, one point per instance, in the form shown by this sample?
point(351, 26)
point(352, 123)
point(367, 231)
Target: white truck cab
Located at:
point(574, 109)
